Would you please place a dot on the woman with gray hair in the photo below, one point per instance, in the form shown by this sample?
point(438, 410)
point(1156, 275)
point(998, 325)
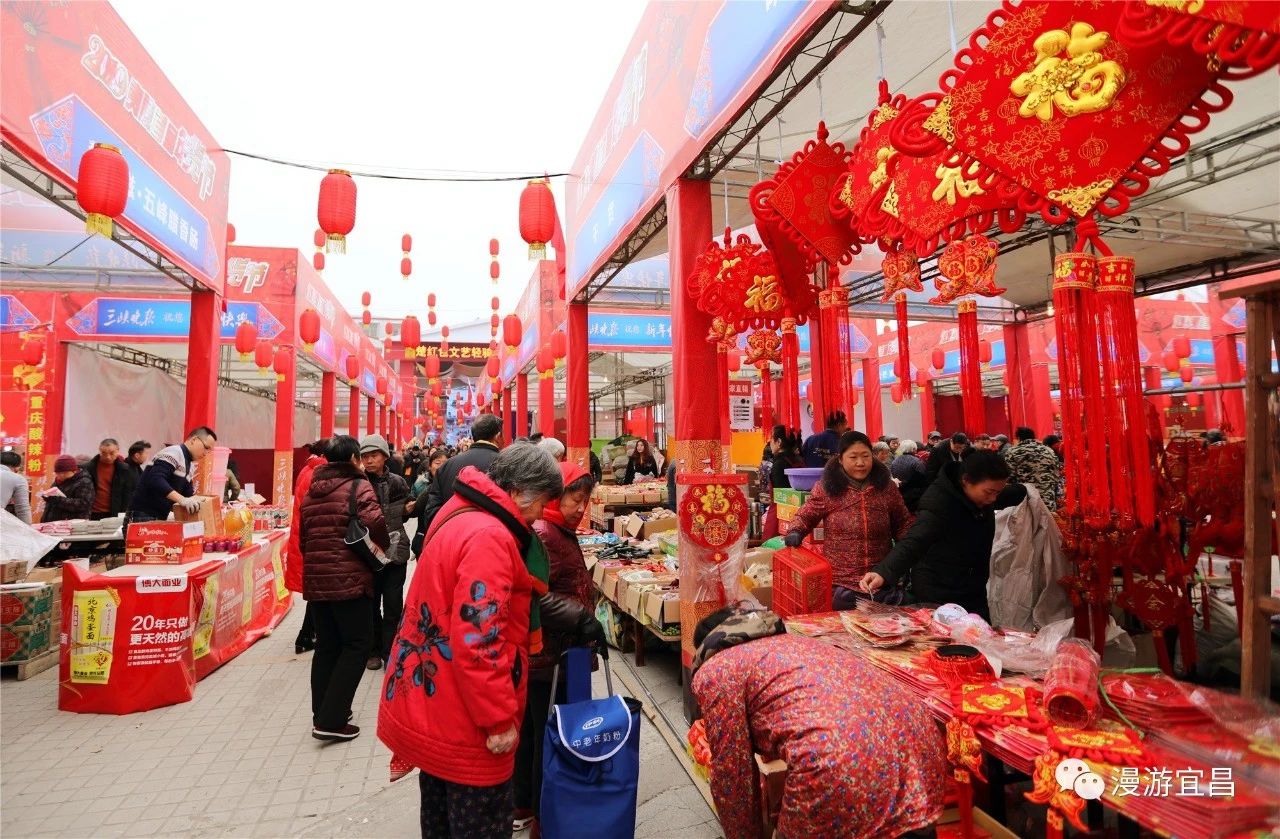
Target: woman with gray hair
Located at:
point(455, 688)
point(911, 473)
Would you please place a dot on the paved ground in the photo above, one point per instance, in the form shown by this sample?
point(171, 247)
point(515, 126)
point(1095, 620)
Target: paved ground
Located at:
point(239, 761)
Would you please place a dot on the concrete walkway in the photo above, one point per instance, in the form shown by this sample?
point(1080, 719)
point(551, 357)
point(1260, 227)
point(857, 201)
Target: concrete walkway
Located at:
point(239, 761)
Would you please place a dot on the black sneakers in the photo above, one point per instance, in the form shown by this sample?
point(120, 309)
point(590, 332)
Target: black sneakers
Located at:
point(347, 732)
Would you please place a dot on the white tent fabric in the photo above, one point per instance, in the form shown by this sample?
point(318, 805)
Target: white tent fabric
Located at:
point(108, 398)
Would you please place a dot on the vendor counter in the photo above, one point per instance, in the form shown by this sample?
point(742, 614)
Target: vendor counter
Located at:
point(140, 636)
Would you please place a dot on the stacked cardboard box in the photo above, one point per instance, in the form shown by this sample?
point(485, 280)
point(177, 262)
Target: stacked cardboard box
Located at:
point(25, 620)
point(645, 592)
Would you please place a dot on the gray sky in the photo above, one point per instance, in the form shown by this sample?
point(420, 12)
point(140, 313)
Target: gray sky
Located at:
point(494, 87)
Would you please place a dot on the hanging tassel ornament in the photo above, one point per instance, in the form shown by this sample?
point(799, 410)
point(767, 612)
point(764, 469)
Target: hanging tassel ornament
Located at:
point(833, 312)
point(970, 368)
point(904, 345)
point(790, 407)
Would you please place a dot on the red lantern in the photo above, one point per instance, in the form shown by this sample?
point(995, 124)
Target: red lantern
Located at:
point(537, 216)
point(895, 392)
point(493, 304)
point(922, 379)
point(559, 345)
point(102, 187)
point(1171, 361)
point(431, 318)
point(431, 300)
point(494, 271)
point(410, 334)
point(1186, 374)
point(938, 359)
point(984, 352)
point(33, 351)
point(246, 338)
point(317, 239)
point(283, 363)
point(1195, 400)
point(317, 261)
point(437, 389)
point(336, 209)
point(365, 299)
point(388, 329)
point(406, 267)
point(353, 368)
point(493, 322)
point(386, 345)
point(734, 359)
point(432, 364)
point(382, 386)
point(546, 360)
point(444, 331)
point(231, 233)
point(366, 318)
point(512, 331)
point(444, 346)
point(263, 353)
point(406, 244)
point(492, 366)
point(1182, 347)
point(309, 328)
point(493, 248)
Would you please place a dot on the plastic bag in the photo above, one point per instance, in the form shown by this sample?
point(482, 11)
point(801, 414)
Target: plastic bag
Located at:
point(21, 542)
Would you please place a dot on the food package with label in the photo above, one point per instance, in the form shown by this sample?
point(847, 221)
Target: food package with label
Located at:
point(164, 542)
point(92, 633)
point(25, 604)
point(23, 643)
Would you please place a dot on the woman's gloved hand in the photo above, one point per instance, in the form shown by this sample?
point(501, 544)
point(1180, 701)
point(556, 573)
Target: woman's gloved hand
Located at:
point(793, 539)
point(589, 631)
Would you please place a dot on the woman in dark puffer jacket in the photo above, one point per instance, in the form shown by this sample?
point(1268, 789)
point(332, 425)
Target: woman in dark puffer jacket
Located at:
point(338, 585)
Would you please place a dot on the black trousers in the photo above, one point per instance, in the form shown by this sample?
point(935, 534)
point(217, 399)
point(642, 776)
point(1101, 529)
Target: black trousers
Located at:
point(458, 811)
point(307, 632)
point(527, 780)
point(388, 605)
point(344, 632)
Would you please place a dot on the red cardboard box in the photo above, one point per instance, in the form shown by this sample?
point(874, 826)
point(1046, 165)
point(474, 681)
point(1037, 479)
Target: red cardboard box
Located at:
point(164, 543)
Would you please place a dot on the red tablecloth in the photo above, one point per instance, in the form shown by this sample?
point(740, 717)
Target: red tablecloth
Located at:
point(140, 636)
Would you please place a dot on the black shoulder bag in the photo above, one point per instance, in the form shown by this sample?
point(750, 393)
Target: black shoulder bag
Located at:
point(357, 537)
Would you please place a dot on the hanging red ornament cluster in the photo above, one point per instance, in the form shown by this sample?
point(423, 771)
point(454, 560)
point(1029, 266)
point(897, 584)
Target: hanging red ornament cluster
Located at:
point(102, 187)
point(336, 209)
point(246, 339)
point(967, 266)
point(366, 317)
point(537, 216)
point(494, 270)
point(309, 328)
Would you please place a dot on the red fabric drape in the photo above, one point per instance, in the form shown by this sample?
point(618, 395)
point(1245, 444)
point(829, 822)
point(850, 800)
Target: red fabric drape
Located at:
point(522, 405)
point(353, 412)
point(904, 345)
point(1041, 400)
point(204, 341)
point(927, 422)
point(328, 403)
point(1017, 361)
point(970, 368)
point(871, 397)
point(577, 408)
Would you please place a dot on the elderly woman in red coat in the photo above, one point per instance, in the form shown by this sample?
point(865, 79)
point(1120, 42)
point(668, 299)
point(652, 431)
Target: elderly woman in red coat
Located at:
point(455, 688)
point(864, 758)
point(861, 512)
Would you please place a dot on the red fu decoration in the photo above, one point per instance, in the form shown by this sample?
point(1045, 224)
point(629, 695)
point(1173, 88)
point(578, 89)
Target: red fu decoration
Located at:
point(970, 368)
point(904, 344)
point(309, 328)
point(102, 187)
point(537, 217)
point(246, 339)
point(1243, 37)
point(336, 209)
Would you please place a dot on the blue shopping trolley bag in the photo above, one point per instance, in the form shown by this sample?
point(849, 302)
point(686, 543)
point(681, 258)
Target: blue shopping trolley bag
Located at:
point(591, 766)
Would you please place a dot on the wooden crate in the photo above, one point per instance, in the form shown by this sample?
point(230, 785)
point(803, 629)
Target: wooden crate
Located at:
point(24, 670)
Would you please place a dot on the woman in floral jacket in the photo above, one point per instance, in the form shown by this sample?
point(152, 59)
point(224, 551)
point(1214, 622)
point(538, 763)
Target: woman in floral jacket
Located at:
point(861, 511)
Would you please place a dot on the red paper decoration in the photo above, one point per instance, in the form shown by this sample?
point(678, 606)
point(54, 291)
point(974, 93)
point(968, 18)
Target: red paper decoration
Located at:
point(263, 354)
point(33, 350)
point(432, 366)
point(764, 347)
point(336, 209)
point(352, 366)
point(309, 328)
point(967, 266)
point(512, 332)
point(537, 217)
point(901, 270)
point(246, 339)
point(714, 515)
point(1243, 36)
point(102, 187)
point(318, 239)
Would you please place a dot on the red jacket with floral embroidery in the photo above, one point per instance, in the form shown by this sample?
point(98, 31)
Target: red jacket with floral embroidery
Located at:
point(859, 527)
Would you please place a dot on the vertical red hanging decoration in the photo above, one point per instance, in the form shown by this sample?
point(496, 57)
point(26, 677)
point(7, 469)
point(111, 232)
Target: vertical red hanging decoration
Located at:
point(764, 348)
point(904, 344)
point(970, 368)
point(837, 370)
point(790, 407)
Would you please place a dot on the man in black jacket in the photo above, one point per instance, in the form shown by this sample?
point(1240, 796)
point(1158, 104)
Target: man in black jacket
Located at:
point(388, 585)
point(486, 436)
point(114, 481)
point(948, 451)
point(168, 481)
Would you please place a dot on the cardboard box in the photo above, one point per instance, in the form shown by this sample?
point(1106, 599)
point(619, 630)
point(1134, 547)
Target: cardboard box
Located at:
point(20, 643)
point(638, 527)
point(210, 515)
point(786, 512)
point(786, 495)
point(164, 543)
point(635, 498)
point(662, 608)
point(12, 572)
point(25, 604)
point(764, 594)
point(633, 604)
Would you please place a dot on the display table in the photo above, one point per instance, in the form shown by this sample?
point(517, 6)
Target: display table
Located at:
point(140, 636)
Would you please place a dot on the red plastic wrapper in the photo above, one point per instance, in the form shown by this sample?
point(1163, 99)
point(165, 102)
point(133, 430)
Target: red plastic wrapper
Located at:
point(1071, 685)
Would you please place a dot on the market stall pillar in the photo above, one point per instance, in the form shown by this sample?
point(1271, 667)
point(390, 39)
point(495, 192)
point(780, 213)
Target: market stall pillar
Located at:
point(522, 405)
point(370, 416)
point(353, 411)
point(547, 402)
point(509, 417)
point(871, 397)
point(382, 419)
point(1226, 365)
point(927, 421)
point(1041, 401)
point(408, 428)
point(203, 347)
point(576, 386)
point(393, 428)
point(1017, 360)
point(282, 473)
point(328, 403)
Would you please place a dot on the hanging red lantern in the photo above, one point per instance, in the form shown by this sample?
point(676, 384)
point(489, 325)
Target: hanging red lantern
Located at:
point(317, 239)
point(309, 328)
point(492, 366)
point(1171, 361)
point(366, 318)
point(353, 368)
point(512, 331)
point(246, 339)
point(537, 216)
point(1186, 374)
point(317, 261)
point(559, 346)
point(493, 322)
point(231, 233)
point(922, 379)
point(444, 331)
point(263, 354)
point(494, 270)
point(734, 359)
point(984, 352)
point(493, 304)
point(938, 359)
point(381, 386)
point(102, 187)
point(1195, 400)
point(895, 392)
point(410, 335)
point(493, 248)
point(33, 350)
point(431, 300)
point(1182, 347)
point(432, 365)
point(336, 209)
point(406, 244)
point(444, 346)
point(386, 345)
point(283, 363)
point(437, 389)
point(546, 361)
point(388, 329)
point(406, 267)
point(431, 318)
point(365, 299)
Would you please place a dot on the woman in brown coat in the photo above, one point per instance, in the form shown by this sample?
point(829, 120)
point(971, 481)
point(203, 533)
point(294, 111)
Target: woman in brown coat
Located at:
point(338, 585)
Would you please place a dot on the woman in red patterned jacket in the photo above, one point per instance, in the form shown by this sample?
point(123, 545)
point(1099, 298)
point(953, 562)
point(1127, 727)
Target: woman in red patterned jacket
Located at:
point(861, 511)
